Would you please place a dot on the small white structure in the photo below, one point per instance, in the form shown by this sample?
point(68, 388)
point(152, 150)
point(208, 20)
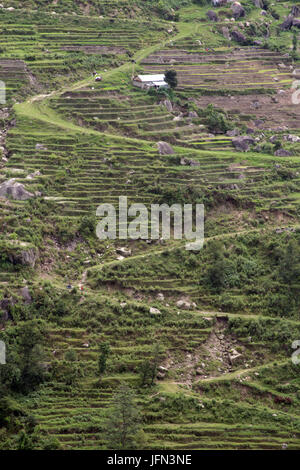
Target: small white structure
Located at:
point(150, 81)
point(219, 3)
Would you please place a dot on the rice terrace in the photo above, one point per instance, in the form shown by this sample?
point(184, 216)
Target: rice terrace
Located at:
point(139, 343)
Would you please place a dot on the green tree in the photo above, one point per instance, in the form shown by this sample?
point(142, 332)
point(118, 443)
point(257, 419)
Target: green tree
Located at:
point(145, 373)
point(123, 424)
point(155, 362)
point(104, 353)
point(24, 369)
point(171, 78)
point(71, 355)
point(289, 265)
point(216, 120)
point(216, 272)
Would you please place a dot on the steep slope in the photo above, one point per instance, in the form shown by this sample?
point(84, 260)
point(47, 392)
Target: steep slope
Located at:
point(218, 324)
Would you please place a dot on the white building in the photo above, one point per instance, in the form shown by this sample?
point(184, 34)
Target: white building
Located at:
point(218, 3)
point(150, 81)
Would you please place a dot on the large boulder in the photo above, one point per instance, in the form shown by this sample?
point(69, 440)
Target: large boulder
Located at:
point(283, 153)
point(154, 311)
point(225, 32)
point(164, 148)
point(296, 23)
point(19, 252)
point(26, 295)
point(238, 37)
point(233, 133)
point(184, 304)
point(235, 357)
point(259, 3)
point(212, 15)
point(295, 11)
point(287, 24)
point(26, 257)
point(292, 138)
point(168, 105)
point(13, 189)
point(5, 308)
point(243, 143)
point(125, 252)
point(237, 10)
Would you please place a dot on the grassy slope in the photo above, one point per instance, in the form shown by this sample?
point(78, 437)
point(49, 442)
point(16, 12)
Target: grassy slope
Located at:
point(211, 408)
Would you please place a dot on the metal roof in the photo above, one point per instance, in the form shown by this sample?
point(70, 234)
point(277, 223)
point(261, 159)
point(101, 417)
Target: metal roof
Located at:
point(152, 78)
point(160, 83)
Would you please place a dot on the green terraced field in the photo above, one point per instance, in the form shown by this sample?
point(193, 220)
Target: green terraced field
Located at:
point(203, 338)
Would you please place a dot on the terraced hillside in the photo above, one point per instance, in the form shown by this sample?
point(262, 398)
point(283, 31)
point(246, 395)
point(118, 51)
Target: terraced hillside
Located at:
point(203, 338)
point(57, 48)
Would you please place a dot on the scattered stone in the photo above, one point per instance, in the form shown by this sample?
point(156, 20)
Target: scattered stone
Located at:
point(292, 138)
point(225, 32)
point(238, 37)
point(25, 257)
point(31, 176)
point(186, 161)
point(5, 307)
point(14, 190)
point(160, 297)
point(258, 122)
point(40, 147)
point(183, 304)
point(233, 133)
point(164, 148)
point(238, 10)
point(295, 11)
point(125, 252)
point(296, 23)
point(283, 153)
point(287, 24)
point(168, 105)
point(243, 143)
point(26, 295)
point(160, 375)
point(234, 358)
point(212, 15)
point(154, 311)
point(259, 3)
